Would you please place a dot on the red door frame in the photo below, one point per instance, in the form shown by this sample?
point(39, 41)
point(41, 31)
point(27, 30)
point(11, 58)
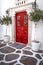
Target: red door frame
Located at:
point(16, 25)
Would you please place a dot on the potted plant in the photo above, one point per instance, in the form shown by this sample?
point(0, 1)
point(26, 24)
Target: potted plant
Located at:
point(6, 20)
point(35, 16)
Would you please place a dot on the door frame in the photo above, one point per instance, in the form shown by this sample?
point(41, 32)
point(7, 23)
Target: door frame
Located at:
point(15, 25)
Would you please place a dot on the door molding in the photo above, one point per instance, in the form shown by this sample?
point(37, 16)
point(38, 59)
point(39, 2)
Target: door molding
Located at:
point(13, 30)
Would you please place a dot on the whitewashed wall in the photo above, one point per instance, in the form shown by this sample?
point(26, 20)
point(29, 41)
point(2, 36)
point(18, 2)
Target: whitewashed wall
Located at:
point(3, 31)
point(5, 4)
point(0, 7)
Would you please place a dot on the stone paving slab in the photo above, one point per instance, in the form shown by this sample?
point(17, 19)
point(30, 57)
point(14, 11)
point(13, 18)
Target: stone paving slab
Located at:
point(27, 52)
point(41, 63)
point(11, 63)
point(18, 64)
point(1, 45)
point(38, 56)
point(27, 48)
point(1, 56)
point(7, 49)
point(28, 61)
point(40, 51)
point(18, 51)
point(11, 57)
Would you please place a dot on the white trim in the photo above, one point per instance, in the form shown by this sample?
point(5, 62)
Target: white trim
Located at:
point(13, 12)
point(21, 6)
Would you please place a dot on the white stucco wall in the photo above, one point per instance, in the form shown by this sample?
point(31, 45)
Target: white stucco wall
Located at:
point(5, 4)
point(0, 7)
point(3, 31)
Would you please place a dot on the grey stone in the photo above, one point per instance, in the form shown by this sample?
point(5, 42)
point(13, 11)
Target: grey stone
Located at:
point(27, 52)
point(38, 56)
point(11, 63)
point(1, 56)
point(18, 64)
point(2, 63)
point(18, 51)
point(41, 63)
point(40, 51)
point(11, 57)
point(28, 60)
point(7, 49)
point(2, 45)
point(28, 48)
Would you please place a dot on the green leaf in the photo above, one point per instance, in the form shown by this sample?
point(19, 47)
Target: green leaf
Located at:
point(7, 20)
point(36, 15)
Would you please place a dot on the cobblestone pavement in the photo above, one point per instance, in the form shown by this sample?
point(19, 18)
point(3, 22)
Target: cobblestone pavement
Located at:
point(19, 54)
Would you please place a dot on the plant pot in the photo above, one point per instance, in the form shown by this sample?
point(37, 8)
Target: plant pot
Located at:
point(35, 45)
point(6, 38)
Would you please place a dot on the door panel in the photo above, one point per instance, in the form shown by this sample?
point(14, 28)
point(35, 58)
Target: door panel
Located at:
point(22, 27)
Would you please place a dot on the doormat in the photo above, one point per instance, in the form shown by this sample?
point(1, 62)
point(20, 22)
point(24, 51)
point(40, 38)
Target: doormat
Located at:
point(17, 45)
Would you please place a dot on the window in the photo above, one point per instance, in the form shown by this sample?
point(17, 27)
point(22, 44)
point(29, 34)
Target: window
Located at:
point(18, 23)
point(25, 19)
point(18, 17)
point(18, 20)
point(25, 16)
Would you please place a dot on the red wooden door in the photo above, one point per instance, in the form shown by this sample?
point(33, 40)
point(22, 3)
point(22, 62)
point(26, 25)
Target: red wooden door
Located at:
point(22, 27)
